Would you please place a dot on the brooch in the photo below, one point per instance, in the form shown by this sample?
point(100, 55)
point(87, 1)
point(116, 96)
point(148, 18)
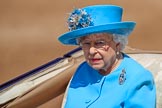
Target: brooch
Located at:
point(122, 77)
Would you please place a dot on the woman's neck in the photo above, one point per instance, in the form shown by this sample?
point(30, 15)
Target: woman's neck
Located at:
point(112, 67)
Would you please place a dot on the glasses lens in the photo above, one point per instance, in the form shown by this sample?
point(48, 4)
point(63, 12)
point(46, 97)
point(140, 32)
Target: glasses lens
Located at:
point(100, 43)
point(96, 44)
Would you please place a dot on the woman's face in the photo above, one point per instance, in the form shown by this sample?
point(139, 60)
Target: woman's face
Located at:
point(99, 50)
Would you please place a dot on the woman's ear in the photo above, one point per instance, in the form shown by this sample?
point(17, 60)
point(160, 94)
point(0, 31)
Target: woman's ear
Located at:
point(118, 48)
point(118, 45)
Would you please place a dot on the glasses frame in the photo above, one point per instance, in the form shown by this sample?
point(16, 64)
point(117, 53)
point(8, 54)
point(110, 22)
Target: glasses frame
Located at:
point(98, 44)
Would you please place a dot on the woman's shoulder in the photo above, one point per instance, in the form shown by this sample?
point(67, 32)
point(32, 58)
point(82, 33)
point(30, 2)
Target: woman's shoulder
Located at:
point(132, 64)
point(135, 69)
point(84, 66)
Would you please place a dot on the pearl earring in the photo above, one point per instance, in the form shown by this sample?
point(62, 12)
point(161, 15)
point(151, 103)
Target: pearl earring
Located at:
point(117, 53)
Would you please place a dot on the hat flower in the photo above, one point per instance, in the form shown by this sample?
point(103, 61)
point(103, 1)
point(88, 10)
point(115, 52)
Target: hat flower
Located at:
point(79, 18)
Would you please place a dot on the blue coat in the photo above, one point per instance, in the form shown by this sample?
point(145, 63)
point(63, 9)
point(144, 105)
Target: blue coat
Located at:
point(128, 86)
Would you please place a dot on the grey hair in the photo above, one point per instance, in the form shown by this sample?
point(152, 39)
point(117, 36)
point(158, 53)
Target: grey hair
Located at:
point(122, 39)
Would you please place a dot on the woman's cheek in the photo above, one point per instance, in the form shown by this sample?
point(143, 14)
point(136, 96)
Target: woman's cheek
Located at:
point(86, 56)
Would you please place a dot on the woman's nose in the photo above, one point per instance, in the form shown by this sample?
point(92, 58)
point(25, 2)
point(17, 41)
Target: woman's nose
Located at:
point(92, 50)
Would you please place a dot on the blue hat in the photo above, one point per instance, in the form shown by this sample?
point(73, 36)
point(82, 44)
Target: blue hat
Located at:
point(95, 19)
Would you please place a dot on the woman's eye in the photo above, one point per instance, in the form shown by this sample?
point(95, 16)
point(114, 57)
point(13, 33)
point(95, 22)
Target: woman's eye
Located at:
point(86, 43)
point(100, 43)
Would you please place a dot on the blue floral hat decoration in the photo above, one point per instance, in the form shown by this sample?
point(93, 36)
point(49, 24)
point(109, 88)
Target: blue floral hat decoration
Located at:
point(95, 19)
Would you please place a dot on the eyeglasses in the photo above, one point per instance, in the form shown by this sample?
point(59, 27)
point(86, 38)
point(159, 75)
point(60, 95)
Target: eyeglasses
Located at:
point(85, 44)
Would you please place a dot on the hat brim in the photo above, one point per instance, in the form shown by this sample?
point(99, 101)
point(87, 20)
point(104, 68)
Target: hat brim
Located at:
point(121, 28)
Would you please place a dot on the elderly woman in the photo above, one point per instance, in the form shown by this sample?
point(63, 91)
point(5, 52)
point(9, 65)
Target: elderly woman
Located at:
point(108, 78)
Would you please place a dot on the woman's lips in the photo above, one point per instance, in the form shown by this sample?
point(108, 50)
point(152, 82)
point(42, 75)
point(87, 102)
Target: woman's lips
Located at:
point(95, 60)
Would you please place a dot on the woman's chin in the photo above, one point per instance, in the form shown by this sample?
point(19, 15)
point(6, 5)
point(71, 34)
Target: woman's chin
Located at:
point(97, 66)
